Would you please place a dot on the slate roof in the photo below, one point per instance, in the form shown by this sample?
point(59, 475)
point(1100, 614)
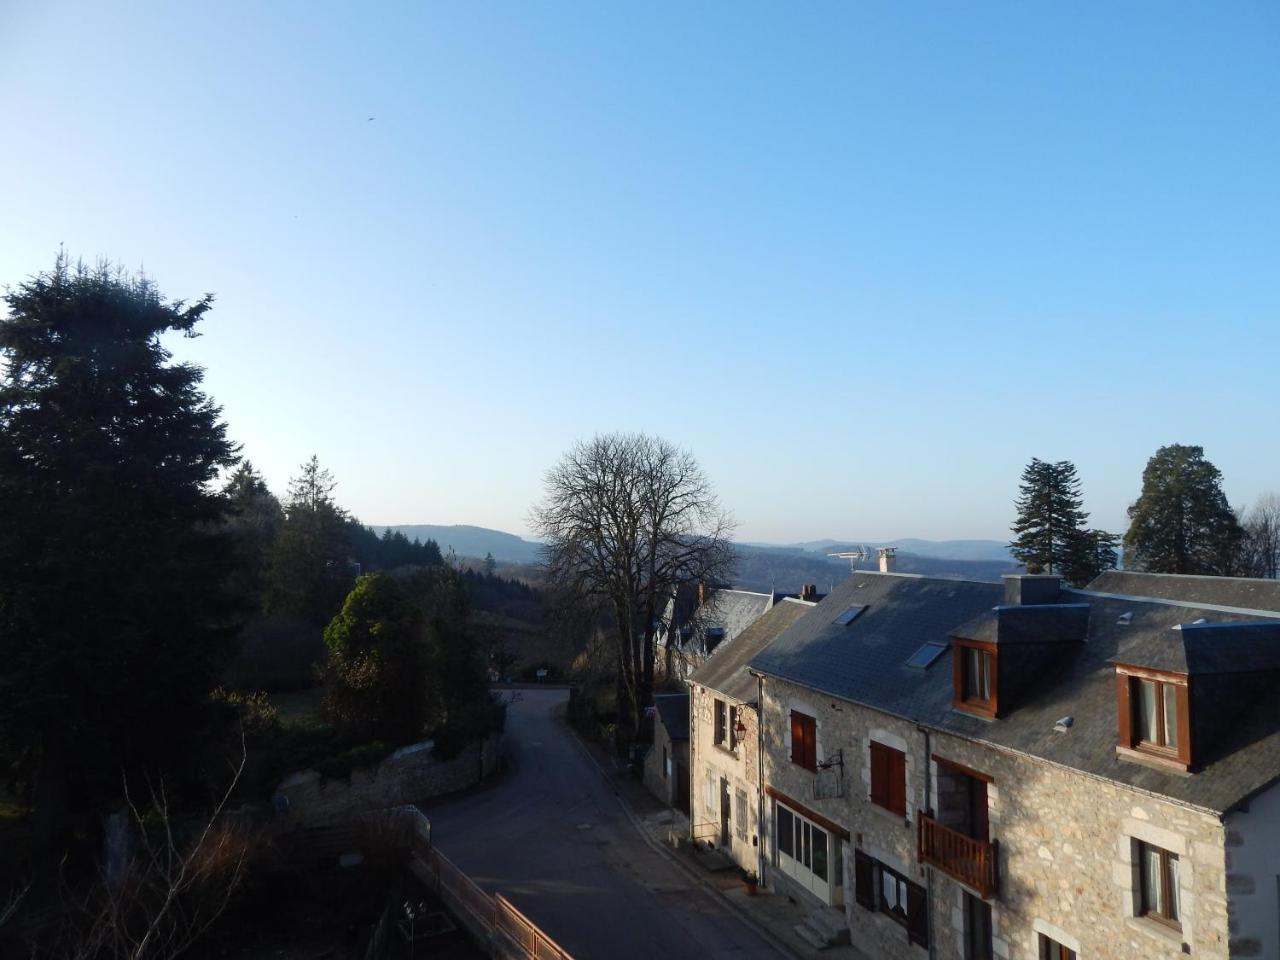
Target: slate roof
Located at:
point(865, 663)
point(725, 615)
point(673, 711)
point(1242, 592)
point(726, 669)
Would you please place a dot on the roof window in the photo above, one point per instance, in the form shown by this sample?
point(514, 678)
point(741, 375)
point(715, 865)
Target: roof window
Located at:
point(928, 653)
point(849, 615)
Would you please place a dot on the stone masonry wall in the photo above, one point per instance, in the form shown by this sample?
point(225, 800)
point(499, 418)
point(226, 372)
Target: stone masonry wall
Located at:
point(1253, 865)
point(1067, 869)
point(662, 784)
point(409, 775)
point(740, 767)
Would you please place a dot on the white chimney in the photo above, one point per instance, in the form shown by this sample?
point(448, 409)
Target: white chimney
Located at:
point(888, 559)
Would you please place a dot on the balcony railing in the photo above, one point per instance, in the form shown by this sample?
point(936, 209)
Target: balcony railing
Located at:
point(972, 862)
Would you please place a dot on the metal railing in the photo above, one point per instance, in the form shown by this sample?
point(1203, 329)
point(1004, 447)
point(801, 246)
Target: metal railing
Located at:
point(972, 862)
point(496, 914)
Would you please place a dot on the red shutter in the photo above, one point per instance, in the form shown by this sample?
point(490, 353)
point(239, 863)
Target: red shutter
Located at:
point(1124, 711)
point(797, 738)
point(897, 781)
point(810, 743)
point(879, 775)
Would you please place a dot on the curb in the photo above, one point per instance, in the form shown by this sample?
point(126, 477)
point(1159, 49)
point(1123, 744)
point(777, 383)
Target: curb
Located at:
point(756, 926)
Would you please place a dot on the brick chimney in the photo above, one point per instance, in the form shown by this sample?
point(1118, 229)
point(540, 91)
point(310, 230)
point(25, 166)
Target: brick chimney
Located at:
point(702, 594)
point(888, 559)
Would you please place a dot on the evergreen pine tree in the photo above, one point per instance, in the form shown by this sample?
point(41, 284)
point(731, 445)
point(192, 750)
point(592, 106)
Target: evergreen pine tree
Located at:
point(1182, 522)
point(1049, 516)
point(115, 615)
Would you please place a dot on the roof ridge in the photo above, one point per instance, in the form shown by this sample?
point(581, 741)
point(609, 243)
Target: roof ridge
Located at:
point(1188, 604)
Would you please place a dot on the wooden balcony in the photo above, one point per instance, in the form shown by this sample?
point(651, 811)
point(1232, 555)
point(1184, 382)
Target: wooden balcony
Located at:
point(972, 862)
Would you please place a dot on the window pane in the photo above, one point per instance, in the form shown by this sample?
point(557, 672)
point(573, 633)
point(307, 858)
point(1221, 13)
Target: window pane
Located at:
point(984, 676)
point(1170, 714)
point(1152, 888)
point(1146, 711)
point(1175, 905)
point(819, 854)
point(888, 890)
point(785, 835)
point(803, 827)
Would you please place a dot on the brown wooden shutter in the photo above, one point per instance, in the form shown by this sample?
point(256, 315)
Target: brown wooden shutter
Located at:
point(879, 775)
point(797, 738)
point(917, 915)
point(1124, 710)
point(811, 743)
point(897, 781)
point(864, 880)
point(1184, 723)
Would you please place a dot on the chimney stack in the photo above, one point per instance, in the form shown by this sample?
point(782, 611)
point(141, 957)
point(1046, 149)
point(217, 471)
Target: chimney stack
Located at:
point(1025, 589)
point(888, 559)
point(808, 591)
point(702, 594)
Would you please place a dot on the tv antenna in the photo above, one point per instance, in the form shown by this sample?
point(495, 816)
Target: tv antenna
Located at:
point(853, 556)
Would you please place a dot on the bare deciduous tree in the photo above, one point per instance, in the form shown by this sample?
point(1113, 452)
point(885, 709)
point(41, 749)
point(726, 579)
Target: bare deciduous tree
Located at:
point(627, 518)
point(1261, 547)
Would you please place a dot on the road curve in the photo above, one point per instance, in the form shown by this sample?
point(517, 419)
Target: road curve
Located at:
point(550, 835)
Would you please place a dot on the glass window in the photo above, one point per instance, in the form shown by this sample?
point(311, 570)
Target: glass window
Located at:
point(819, 853)
point(978, 944)
point(1147, 711)
point(1158, 876)
point(977, 674)
point(1170, 715)
point(1052, 950)
point(786, 828)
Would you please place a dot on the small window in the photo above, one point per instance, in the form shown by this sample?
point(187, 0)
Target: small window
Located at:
point(975, 678)
point(849, 615)
point(1158, 896)
point(878, 887)
point(1052, 950)
point(721, 722)
point(923, 657)
point(804, 741)
point(740, 811)
point(1152, 712)
point(978, 944)
point(889, 778)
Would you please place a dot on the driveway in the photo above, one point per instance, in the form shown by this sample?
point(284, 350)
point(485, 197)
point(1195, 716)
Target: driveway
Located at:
point(551, 836)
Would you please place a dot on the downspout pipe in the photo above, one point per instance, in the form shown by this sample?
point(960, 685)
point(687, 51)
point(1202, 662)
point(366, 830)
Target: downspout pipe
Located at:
point(928, 870)
point(760, 832)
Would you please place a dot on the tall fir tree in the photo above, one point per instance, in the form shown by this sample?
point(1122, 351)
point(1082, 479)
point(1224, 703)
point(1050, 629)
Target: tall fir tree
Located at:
point(115, 615)
point(310, 571)
point(1182, 522)
point(1094, 551)
point(1049, 519)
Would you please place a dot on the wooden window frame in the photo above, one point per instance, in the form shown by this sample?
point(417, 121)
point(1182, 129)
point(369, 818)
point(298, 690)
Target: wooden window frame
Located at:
point(1168, 889)
point(868, 881)
point(960, 700)
point(720, 728)
point(888, 778)
point(1127, 705)
point(804, 749)
point(1051, 949)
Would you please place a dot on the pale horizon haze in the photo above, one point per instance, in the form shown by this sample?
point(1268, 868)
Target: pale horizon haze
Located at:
point(864, 260)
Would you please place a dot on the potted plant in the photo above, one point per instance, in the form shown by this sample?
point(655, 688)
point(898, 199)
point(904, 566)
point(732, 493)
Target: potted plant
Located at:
point(750, 881)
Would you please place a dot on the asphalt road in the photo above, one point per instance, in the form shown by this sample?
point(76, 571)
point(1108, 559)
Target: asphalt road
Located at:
point(550, 835)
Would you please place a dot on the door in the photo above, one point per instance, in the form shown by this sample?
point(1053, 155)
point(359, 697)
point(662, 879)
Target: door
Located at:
point(725, 812)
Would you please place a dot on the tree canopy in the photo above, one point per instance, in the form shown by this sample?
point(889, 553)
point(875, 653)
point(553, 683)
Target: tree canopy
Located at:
point(627, 518)
point(1181, 522)
point(115, 610)
point(1049, 515)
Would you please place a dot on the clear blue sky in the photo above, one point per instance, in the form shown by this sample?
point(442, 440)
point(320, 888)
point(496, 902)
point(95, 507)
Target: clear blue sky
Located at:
point(863, 259)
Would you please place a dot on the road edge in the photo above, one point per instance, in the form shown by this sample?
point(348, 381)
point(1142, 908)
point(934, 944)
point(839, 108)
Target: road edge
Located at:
point(764, 932)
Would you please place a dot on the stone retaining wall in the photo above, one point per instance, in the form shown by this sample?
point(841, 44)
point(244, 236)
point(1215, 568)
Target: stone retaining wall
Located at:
point(408, 776)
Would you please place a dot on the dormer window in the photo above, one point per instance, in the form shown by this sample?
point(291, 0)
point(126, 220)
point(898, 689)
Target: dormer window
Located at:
point(1152, 710)
point(975, 677)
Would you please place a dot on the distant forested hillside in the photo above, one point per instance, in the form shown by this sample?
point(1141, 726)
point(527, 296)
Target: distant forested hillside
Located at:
point(468, 541)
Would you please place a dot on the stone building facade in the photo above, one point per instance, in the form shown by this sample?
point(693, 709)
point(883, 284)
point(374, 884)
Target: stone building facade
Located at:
point(725, 790)
point(1033, 833)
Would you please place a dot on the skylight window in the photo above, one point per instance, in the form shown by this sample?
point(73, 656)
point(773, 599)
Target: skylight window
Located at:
point(1125, 619)
point(926, 655)
point(849, 615)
